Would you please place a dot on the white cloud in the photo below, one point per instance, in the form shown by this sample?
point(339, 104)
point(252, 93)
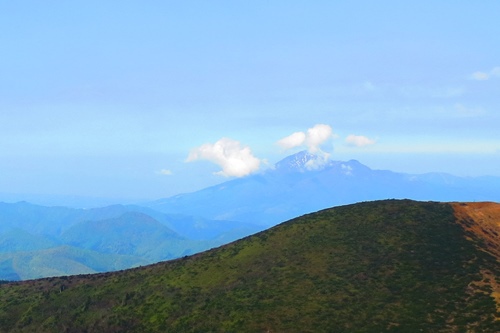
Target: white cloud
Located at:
point(166, 172)
point(318, 162)
point(359, 140)
point(294, 140)
point(480, 76)
point(234, 159)
point(312, 139)
point(316, 136)
point(483, 76)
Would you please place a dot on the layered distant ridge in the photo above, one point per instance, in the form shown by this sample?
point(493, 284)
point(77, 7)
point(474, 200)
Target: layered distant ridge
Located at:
point(305, 182)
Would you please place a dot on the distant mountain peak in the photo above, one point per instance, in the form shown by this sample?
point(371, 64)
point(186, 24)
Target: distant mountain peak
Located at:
point(305, 161)
point(302, 161)
point(353, 166)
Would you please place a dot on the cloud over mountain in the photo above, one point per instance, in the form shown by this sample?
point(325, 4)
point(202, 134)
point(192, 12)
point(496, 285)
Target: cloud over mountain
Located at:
point(293, 140)
point(238, 161)
point(235, 160)
point(359, 140)
point(312, 140)
point(318, 135)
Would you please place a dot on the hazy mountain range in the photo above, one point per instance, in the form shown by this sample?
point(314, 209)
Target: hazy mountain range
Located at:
point(385, 266)
point(303, 183)
point(38, 241)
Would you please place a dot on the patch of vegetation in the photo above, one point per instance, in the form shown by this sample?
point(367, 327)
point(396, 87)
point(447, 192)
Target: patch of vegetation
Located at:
point(397, 266)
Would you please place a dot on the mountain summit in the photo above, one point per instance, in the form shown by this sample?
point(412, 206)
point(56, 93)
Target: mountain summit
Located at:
point(305, 161)
point(302, 161)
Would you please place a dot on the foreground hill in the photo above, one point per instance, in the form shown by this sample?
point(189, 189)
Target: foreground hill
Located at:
point(400, 266)
point(293, 188)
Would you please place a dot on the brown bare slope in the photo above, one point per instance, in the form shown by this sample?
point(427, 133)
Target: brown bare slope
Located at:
point(481, 221)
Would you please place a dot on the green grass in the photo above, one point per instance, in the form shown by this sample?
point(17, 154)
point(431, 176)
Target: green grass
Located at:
point(399, 266)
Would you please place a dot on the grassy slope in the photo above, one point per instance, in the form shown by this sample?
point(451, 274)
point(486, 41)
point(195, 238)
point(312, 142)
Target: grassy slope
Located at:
point(399, 266)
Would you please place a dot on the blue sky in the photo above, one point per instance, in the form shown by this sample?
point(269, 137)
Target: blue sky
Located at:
point(147, 99)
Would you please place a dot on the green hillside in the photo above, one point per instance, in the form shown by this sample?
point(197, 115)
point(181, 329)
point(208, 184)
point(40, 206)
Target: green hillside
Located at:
point(132, 233)
point(399, 266)
point(62, 260)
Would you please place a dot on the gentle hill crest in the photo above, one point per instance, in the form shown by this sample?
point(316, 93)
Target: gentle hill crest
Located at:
point(394, 265)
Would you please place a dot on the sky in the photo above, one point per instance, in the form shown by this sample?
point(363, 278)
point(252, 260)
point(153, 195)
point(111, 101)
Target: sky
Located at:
point(140, 100)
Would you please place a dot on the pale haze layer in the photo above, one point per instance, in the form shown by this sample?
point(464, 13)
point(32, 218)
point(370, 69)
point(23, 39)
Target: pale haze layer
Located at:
point(142, 100)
